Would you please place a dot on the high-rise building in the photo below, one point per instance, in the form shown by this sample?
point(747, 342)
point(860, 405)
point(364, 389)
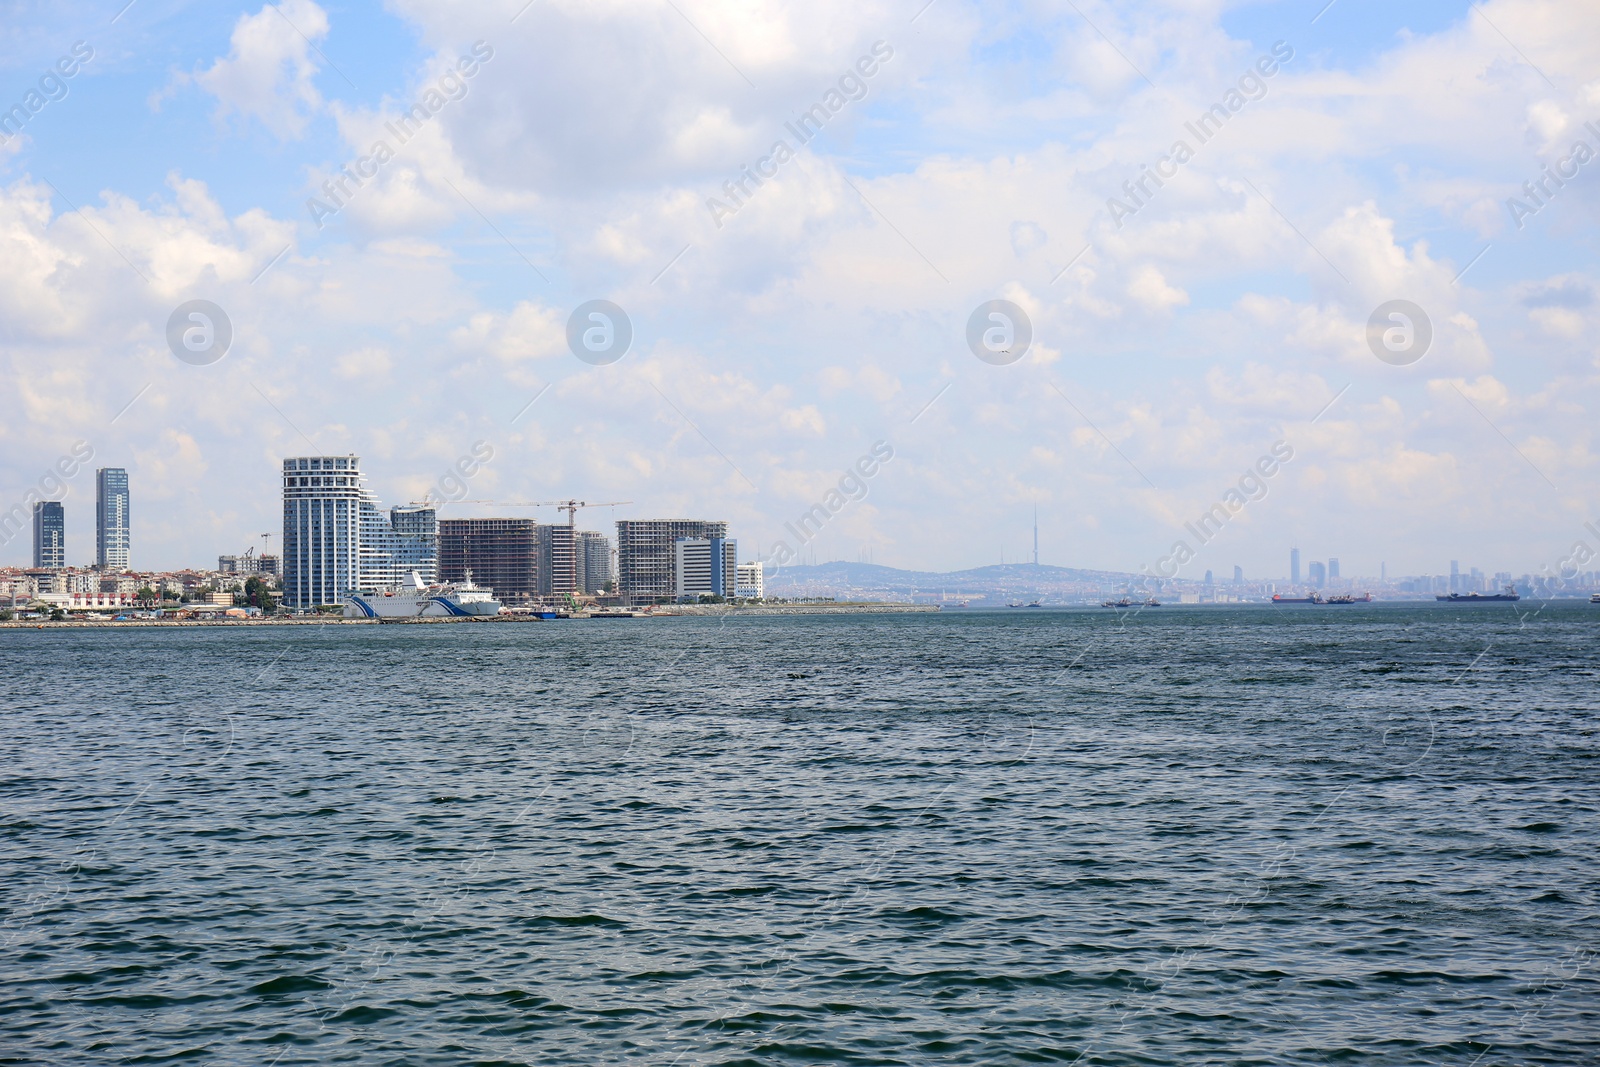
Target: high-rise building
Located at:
point(1238, 574)
point(1333, 568)
point(558, 560)
point(501, 554)
point(49, 535)
point(592, 556)
point(335, 538)
point(111, 533)
point(1294, 566)
point(1455, 576)
point(393, 549)
point(703, 565)
point(645, 561)
point(1318, 574)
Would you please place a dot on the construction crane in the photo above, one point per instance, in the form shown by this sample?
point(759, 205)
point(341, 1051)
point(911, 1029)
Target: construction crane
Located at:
point(569, 506)
point(569, 572)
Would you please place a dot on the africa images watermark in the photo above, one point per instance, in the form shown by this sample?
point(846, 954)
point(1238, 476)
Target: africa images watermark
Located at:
point(52, 485)
point(852, 85)
point(52, 86)
point(1542, 190)
point(1252, 486)
point(453, 483)
point(852, 486)
point(1252, 85)
point(1582, 554)
point(452, 85)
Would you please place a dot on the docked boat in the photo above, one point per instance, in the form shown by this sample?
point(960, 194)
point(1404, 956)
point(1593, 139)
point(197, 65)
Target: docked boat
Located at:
point(1480, 598)
point(422, 600)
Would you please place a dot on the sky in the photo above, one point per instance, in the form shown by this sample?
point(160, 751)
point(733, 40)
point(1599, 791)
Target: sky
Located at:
point(430, 303)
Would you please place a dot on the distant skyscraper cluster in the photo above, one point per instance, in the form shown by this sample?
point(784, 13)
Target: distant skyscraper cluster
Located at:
point(1319, 575)
point(113, 540)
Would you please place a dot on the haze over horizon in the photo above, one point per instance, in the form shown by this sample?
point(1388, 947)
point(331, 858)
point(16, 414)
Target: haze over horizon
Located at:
point(1181, 329)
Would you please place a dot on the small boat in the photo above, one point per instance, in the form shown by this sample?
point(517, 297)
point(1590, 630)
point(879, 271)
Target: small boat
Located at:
point(1595, 599)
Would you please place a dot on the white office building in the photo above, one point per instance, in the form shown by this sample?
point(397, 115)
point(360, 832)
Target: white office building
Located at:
point(752, 583)
point(704, 565)
point(336, 539)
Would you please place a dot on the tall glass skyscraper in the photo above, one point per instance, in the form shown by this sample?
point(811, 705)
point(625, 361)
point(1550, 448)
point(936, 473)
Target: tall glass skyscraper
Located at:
point(49, 534)
point(336, 539)
point(111, 534)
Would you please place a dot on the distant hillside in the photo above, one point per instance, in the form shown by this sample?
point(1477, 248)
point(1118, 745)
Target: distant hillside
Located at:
point(825, 579)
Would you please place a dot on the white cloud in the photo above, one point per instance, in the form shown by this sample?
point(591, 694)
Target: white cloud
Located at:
point(1151, 290)
point(269, 70)
point(364, 364)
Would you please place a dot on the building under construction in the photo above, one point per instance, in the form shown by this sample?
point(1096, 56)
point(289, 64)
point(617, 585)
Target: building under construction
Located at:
point(646, 562)
point(501, 554)
point(522, 560)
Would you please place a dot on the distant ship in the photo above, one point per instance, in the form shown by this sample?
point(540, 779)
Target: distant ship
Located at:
point(1348, 598)
point(1314, 598)
point(1479, 598)
point(420, 600)
point(1152, 602)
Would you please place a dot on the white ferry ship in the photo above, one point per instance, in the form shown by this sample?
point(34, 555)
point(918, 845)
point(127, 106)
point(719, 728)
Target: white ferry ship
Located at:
point(420, 600)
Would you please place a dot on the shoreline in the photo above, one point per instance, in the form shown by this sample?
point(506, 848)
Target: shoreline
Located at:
point(718, 610)
point(672, 611)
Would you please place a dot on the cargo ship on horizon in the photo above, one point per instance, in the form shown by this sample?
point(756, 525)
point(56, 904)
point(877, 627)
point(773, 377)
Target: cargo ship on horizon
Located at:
point(1479, 598)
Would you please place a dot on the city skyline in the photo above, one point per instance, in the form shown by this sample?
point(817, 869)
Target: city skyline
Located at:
point(122, 535)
